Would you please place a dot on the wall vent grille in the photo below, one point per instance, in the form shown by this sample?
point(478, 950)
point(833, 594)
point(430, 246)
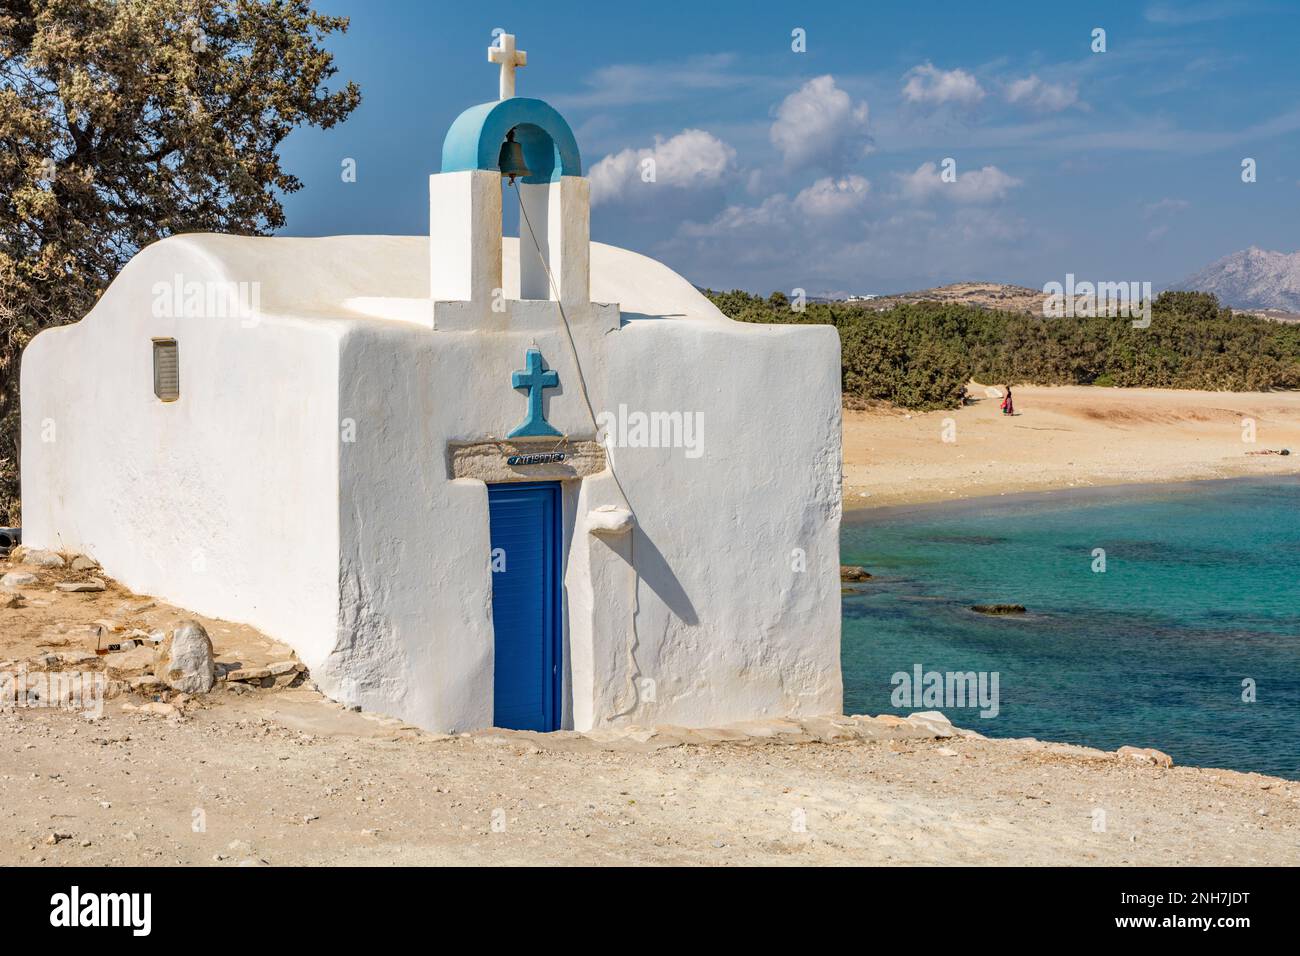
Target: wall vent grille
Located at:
point(166, 370)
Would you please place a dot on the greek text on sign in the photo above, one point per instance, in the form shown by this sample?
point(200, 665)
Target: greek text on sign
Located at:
point(549, 458)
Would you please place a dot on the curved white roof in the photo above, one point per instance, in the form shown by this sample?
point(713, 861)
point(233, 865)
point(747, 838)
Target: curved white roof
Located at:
point(387, 277)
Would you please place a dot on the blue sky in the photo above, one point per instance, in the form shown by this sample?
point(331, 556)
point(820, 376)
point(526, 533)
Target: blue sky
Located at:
point(822, 170)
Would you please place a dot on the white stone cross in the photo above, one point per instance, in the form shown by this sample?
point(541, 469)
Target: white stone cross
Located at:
point(504, 52)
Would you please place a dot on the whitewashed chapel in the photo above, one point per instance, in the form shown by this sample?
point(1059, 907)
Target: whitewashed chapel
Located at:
point(532, 482)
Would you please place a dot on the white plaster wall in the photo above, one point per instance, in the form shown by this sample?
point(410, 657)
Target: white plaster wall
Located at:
point(725, 626)
point(223, 501)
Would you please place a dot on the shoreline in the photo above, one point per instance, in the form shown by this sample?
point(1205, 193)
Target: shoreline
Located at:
point(865, 513)
point(1065, 438)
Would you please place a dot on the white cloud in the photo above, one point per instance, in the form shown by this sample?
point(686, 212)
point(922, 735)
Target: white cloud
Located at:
point(820, 125)
point(1041, 95)
point(828, 198)
point(1164, 206)
point(1185, 13)
point(930, 85)
point(690, 160)
point(981, 185)
point(833, 197)
point(631, 84)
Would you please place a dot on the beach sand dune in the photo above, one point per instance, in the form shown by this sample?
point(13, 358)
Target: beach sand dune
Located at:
point(1066, 437)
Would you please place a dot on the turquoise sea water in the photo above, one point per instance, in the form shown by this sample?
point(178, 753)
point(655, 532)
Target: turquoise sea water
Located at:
point(1201, 590)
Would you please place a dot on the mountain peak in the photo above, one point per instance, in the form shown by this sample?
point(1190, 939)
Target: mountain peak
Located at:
point(1252, 278)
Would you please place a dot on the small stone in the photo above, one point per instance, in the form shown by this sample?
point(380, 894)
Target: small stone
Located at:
point(83, 563)
point(852, 572)
point(249, 673)
point(55, 838)
point(285, 667)
point(77, 657)
point(932, 721)
point(155, 708)
point(129, 662)
point(184, 659)
point(946, 752)
point(43, 559)
point(18, 579)
point(1146, 755)
point(81, 587)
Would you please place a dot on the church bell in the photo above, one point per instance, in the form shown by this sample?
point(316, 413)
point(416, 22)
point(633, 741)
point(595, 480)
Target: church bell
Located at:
point(511, 160)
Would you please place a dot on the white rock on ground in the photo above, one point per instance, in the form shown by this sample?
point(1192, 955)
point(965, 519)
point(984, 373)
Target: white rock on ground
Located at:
point(17, 579)
point(184, 660)
point(43, 559)
point(81, 587)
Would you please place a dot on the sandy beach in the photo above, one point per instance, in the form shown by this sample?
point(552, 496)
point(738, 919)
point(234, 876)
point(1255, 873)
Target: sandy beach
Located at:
point(1065, 437)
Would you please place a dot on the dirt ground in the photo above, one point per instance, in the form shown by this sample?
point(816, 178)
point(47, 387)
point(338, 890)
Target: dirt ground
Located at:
point(285, 778)
point(1065, 437)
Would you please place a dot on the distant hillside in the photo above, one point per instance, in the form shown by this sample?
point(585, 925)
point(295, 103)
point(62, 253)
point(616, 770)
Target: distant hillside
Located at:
point(1252, 279)
point(984, 295)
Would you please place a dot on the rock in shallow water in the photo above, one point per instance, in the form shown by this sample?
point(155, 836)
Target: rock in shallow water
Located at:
point(998, 608)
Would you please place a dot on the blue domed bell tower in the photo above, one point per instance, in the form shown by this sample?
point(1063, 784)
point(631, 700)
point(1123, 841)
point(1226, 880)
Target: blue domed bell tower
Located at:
point(465, 204)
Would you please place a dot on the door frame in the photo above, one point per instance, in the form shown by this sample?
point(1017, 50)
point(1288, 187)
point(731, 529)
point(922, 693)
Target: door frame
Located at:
point(553, 598)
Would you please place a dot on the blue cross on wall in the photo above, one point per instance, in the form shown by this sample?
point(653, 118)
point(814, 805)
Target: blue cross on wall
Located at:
point(534, 379)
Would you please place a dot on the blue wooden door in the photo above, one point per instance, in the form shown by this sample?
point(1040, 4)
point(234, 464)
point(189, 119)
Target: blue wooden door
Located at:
point(526, 603)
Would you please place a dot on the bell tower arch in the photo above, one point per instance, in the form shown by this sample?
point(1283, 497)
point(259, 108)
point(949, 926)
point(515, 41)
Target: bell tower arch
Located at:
point(542, 162)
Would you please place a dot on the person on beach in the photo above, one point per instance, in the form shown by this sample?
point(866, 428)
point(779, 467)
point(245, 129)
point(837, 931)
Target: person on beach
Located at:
point(1008, 407)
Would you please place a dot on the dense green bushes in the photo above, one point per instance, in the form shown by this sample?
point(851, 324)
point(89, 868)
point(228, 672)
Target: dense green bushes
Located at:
point(921, 356)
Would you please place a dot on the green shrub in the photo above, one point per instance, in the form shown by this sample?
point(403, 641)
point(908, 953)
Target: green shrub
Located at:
point(921, 356)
